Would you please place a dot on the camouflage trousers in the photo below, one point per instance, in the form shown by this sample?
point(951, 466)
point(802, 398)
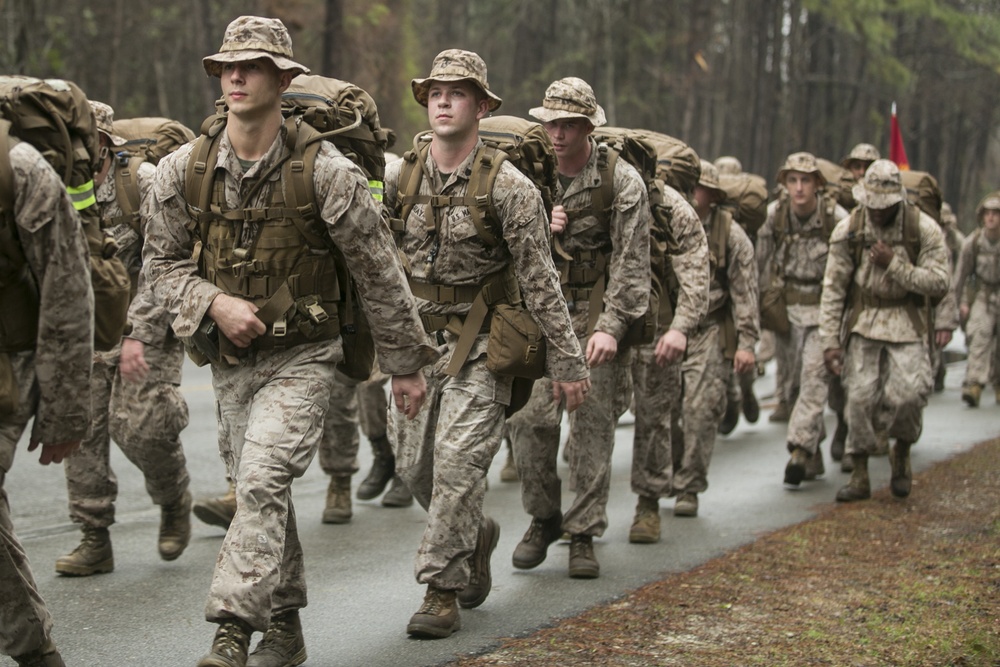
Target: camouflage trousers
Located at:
point(705, 373)
point(443, 455)
point(25, 622)
point(887, 385)
point(657, 391)
point(535, 436)
point(786, 377)
point(145, 419)
point(352, 404)
point(271, 410)
point(982, 331)
point(806, 427)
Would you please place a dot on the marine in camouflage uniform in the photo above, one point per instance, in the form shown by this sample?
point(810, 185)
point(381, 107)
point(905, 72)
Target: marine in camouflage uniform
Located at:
point(874, 291)
point(444, 454)
point(47, 380)
point(272, 401)
point(656, 368)
point(723, 343)
point(609, 251)
point(980, 260)
point(139, 405)
point(792, 248)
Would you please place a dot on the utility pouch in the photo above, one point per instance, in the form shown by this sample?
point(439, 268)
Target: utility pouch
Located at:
point(774, 310)
point(642, 330)
point(10, 395)
point(516, 346)
point(203, 345)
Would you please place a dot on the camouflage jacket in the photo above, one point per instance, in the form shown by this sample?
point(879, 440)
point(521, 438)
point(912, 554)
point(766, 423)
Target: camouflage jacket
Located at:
point(979, 257)
point(690, 265)
point(741, 288)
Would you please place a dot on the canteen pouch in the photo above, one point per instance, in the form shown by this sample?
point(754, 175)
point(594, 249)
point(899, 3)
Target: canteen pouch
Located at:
point(774, 310)
point(203, 345)
point(516, 346)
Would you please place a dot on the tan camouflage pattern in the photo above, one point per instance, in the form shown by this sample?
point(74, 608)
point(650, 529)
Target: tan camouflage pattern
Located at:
point(979, 259)
point(250, 37)
point(930, 277)
point(881, 187)
point(352, 404)
point(456, 65)
point(742, 293)
point(705, 373)
point(690, 264)
point(802, 162)
point(570, 97)
point(728, 165)
point(53, 379)
point(105, 117)
point(863, 152)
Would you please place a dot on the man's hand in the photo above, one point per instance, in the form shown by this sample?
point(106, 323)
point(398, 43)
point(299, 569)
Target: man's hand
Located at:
point(574, 392)
point(132, 364)
point(409, 392)
point(942, 337)
point(881, 254)
point(559, 220)
point(53, 453)
point(236, 319)
point(743, 361)
point(963, 313)
point(670, 347)
point(833, 359)
point(601, 348)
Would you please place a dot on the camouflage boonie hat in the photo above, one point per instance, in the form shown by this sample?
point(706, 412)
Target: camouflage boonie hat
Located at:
point(861, 153)
point(570, 98)
point(990, 202)
point(456, 65)
point(709, 178)
point(881, 187)
point(801, 162)
point(105, 117)
point(729, 165)
point(252, 37)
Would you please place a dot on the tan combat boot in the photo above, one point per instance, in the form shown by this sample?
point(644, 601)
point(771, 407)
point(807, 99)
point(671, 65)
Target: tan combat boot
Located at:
point(282, 645)
point(971, 394)
point(398, 494)
point(46, 656)
point(481, 575)
point(338, 500)
point(217, 511)
point(229, 648)
point(175, 527)
point(383, 468)
point(646, 524)
point(781, 414)
point(92, 556)
point(902, 475)
point(814, 466)
point(795, 469)
point(530, 552)
point(859, 487)
point(437, 617)
point(582, 561)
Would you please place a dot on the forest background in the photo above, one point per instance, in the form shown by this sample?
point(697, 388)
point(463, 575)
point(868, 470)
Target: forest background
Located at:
point(757, 79)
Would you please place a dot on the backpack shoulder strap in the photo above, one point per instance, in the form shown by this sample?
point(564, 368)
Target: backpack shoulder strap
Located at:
point(200, 173)
point(485, 169)
point(411, 173)
point(603, 198)
point(911, 232)
point(127, 192)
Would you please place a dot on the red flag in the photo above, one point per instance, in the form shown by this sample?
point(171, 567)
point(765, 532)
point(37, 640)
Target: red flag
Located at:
point(897, 152)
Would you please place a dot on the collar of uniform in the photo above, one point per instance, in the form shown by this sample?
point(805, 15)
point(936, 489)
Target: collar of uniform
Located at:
point(463, 171)
point(231, 163)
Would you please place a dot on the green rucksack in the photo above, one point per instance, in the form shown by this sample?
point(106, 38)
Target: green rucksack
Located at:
point(55, 117)
point(839, 182)
point(746, 200)
point(923, 191)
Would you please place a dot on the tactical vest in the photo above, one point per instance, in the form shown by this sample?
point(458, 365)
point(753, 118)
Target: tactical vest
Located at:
point(782, 222)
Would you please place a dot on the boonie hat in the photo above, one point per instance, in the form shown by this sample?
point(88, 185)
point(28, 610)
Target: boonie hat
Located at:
point(990, 202)
point(802, 162)
point(881, 186)
point(862, 153)
point(729, 165)
point(709, 178)
point(456, 65)
point(570, 98)
point(105, 117)
point(252, 37)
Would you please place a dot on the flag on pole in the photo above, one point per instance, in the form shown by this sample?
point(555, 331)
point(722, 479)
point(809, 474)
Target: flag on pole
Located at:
point(897, 152)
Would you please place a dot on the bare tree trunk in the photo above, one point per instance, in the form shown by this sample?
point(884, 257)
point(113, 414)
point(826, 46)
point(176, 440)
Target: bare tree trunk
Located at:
point(332, 59)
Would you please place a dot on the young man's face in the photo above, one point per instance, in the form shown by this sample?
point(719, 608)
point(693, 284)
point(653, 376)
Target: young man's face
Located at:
point(802, 188)
point(857, 168)
point(991, 221)
point(454, 108)
point(251, 87)
point(882, 217)
point(569, 136)
point(703, 199)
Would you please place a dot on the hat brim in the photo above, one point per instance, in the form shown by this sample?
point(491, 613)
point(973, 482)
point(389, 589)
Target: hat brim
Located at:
point(877, 200)
point(818, 174)
point(213, 64)
point(114, 138)
point(546, 115)
point(421, 87)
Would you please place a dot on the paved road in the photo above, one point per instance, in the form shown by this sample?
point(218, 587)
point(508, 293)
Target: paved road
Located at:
point(360, 575)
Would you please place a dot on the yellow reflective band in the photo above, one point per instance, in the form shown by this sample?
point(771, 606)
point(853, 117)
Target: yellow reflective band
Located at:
point(376, 188)
point(82, 196)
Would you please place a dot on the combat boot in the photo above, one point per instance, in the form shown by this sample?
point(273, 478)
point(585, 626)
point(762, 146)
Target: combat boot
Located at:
point(282, 645)
point(508, 473)
point(217, 511)
point(533, 547)
point(646, 524)
point(751, 408)
point(939, 378)
point(481, 576)
point(902, 475)
point(582, 561)
point(92, 556)
point(686, 504)
point(859, 487)
point(338, 500)
point(971, 394)
point(730, 418)
point(398, 494)
point(175, 527)
point(46, 656)
point(781, 414)
point(437, 617)
point(383, 468)
point(814, 466)
point(795, 469)
point(839, 439)
point(229, 648)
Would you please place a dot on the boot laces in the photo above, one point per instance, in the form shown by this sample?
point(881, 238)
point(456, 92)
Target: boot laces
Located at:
point(434, 603)
point(230, 639)
point(280, 631)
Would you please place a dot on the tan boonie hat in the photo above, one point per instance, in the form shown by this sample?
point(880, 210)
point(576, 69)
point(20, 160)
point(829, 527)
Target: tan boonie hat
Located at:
point(881, 186)
point(861, 153)
point(252, 37)
point(801, 162)
point(105, 117)
point(709, 178)
point(456, 65)
point(570, 98)
point(729, 165)
point(990, 202)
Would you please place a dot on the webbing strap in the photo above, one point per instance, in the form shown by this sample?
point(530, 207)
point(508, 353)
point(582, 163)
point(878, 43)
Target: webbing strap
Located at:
point(473, 323)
